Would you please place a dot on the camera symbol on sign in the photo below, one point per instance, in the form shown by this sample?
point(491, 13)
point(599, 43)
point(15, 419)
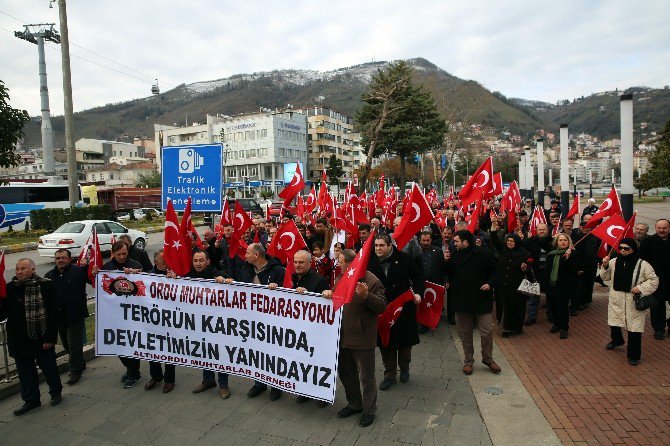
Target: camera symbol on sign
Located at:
point(189, 161)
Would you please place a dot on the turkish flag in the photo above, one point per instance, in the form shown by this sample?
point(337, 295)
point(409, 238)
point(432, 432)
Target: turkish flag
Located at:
point(610, 206)
point(497, 186)
point(310, 203)
point(603, 251)
point(294, 188)
point(357, 207)
point(428, 312)
point(84, 250)
point(481, 182)
point(3, 283)
point(512, 198)
point(286, 242)
point(241, 220)
point(96, 256)
point(418, 216)
point(288, 274)
point(537, 218)
point(176, 255)
point(391, 314)
point(225, 214)
point(574, 209)
point(346, 287)
point(473, 223)
point(323, 191)
point(185, 228)
point(611, 230)
point(300, 207)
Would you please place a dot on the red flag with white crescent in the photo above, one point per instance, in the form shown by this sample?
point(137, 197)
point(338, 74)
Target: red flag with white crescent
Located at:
point(574, 209)
point(417, 217)
point(297, 184)
point(391, 314)
point(96, 256)
point(346, 286)
point(481, 182)
point(177, 256)
point(428, 312)
point(286, 242)
point(611, 230)
point(611, 206)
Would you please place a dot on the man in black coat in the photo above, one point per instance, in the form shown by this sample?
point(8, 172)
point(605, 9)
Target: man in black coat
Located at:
point(398, 273)
point(655, 249)
point(587, 266)
point(121, 262)
point(260, 268)
point(31, 311)
point(137, 254)
point(431, 262)
point(69, 281)
point(470, 276)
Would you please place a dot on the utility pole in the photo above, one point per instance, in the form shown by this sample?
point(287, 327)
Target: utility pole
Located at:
point(72, 175)
point(37, 34)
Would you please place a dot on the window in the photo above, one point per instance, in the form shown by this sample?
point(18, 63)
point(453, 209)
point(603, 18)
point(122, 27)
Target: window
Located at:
point(238, 136)
point(251, 153)
point(264, 133)
point(243, 172)
point(280, 152)
point(232, 173)
point(102, 228)
point(116, 228)
point(111, 176)
point(253, 171)
point(267, 171)
point(249, 135)
point(115, 153)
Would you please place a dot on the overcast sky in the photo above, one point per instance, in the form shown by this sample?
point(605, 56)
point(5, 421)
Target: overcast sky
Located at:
point(545, 50)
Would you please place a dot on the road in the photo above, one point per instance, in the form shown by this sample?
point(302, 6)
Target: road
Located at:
point(44, 264)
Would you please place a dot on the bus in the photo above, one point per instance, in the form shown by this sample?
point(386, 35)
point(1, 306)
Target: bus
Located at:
point(18, 198)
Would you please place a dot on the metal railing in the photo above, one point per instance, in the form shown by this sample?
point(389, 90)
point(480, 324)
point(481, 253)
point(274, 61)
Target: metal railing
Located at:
point(3, 342)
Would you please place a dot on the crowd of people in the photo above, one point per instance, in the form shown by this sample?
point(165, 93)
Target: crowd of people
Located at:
point(481, 270)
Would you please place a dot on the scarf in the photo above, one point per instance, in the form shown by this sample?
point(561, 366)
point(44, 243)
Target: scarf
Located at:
point(553, 276)
point(625, 267)
point(36, 315)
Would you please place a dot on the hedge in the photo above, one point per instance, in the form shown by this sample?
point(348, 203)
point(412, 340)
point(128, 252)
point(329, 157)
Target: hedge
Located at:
point(53, 218)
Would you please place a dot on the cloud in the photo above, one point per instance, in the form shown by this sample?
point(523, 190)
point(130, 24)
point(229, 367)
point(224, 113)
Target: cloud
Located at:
point(543, 50)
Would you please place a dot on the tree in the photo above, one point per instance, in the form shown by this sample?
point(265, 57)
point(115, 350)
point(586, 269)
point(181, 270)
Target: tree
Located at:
point(152, 179)
point(398, 117)
point(12, 121)
point(335, 170)
point(658, 174)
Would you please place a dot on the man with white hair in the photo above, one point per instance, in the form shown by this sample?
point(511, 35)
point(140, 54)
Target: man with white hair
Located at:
point(31, 311)
point(641, 232)
point(590, 208)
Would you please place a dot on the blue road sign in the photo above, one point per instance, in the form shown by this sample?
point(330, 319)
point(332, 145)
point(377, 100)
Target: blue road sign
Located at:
point(192, 171)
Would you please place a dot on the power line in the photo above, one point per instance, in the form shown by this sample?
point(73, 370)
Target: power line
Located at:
point(94, 53)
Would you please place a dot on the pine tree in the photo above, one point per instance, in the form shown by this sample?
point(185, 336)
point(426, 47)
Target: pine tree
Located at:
point(334, 170)
point(399, 118)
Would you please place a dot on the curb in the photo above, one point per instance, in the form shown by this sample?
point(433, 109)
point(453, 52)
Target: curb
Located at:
point(14, 386)
point(31, 246)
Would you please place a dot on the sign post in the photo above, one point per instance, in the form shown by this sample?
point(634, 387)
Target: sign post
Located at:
point(192, 171)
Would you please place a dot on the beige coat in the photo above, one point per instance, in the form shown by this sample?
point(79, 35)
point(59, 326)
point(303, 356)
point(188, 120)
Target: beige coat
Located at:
point(621, 310)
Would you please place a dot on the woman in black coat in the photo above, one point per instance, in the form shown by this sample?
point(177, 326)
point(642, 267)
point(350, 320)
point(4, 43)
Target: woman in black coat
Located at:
point(562, 270)
point(512, 264)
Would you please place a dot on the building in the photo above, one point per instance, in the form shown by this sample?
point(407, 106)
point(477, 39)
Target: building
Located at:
point(92, 154)
point(332, 133)
point(257, 147)
point(640, 164)
point(123, 174)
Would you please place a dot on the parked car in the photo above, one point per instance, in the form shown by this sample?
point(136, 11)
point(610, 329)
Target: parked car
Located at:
point(121, 216)
point(250, 205)
point(74, 235)
point(142, 213)
point(274, 209)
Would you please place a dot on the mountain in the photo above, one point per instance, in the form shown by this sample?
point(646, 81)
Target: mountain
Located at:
point(458, 100)
point(598, 114)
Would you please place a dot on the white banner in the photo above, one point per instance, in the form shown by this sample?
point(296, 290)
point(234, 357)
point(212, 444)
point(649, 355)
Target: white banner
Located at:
point(280, 337)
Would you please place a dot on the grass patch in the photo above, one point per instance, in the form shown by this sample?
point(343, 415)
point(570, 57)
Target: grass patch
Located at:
point(14, 237)
point(142, 225)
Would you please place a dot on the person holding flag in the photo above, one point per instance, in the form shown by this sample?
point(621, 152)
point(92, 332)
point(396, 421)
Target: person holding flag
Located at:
point(358, 335)
point(398, 272)
point(586, 248)
point(627, 275)
point(121, 262)
point(69, 281)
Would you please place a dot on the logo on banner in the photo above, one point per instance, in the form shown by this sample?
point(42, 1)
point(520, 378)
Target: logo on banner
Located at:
point(122, 286)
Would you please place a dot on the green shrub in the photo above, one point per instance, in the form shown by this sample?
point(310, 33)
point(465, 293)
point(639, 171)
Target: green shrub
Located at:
point(52, 218)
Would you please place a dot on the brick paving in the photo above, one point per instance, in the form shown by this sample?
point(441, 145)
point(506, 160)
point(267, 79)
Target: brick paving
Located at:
point(590, 395)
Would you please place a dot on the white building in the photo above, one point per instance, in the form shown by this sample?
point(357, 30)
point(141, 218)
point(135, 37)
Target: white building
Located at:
point(256, 146)
point(94, 153)
point(120, 174)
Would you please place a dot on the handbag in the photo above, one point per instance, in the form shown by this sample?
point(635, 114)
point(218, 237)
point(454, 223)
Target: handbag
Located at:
point(529, 288)
point(642, 303)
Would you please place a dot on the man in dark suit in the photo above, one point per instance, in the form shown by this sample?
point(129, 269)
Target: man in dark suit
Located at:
point(470, 276)
point(398, 273)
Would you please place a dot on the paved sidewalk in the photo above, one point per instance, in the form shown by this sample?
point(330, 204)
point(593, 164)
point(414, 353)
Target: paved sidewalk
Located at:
point(436, 407)
point(590, 395)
